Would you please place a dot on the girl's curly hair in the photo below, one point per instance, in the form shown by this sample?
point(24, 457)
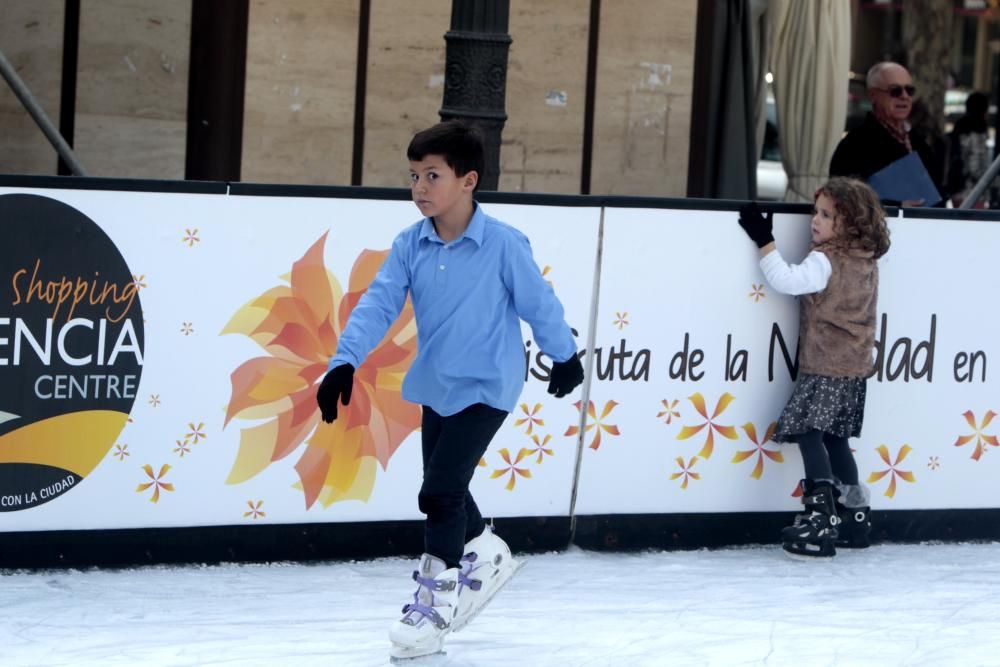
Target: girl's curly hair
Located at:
point(861, 216)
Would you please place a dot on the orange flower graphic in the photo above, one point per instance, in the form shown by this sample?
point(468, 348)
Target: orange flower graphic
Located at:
point(529, 417)
point(686, 471)
point(597, 422)
point(545, 271)
point(892, 471)
point(298, 325)
point(669, 411)
point(540, 447)
point(759, 450)
point(157, 482)
point(757, 293)
point(196, 433)
point(725, 431)
point(182, 448)
point(977, 433)
point(621, 320)
point(256, 510)
point(511, 468)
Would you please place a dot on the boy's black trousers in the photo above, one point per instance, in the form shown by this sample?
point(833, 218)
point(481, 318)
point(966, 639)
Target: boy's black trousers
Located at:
point(452, 447)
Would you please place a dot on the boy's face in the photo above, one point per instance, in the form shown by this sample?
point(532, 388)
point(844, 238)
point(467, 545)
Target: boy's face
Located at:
point(435, 188)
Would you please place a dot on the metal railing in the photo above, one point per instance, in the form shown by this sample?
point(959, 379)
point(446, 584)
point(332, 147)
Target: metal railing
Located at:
point(981, 186)
point(39, 116)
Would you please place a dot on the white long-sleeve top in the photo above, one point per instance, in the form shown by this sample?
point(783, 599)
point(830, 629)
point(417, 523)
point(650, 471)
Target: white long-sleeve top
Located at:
point(811, 276)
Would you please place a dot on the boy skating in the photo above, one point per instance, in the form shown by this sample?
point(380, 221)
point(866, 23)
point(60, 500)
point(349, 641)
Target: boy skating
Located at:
point(471, 279)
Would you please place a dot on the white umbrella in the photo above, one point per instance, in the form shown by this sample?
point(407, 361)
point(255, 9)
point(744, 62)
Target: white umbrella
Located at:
point(761, 50)
point(810, 60)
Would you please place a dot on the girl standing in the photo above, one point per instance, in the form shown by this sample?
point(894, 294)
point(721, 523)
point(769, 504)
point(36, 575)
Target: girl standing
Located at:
point(838, 285)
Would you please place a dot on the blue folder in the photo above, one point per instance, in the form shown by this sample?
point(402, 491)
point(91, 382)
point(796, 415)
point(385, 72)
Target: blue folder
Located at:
point(906, 178)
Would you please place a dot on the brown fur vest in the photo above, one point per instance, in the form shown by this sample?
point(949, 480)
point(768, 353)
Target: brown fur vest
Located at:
point(837, 325)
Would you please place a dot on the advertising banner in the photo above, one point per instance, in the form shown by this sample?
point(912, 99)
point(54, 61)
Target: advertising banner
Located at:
point(159, 354)
point(695, 355)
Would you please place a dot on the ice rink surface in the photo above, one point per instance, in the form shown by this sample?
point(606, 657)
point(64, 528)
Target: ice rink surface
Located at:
point(930, 604)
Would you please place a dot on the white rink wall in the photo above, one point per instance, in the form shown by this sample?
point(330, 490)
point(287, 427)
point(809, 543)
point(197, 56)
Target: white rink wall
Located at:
point(688, 370)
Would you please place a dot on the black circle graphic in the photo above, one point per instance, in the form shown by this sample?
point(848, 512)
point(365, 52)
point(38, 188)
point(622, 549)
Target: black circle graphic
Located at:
point(71, 347)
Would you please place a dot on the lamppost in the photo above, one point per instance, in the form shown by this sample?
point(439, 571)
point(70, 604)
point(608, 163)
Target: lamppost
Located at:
point(475, 80)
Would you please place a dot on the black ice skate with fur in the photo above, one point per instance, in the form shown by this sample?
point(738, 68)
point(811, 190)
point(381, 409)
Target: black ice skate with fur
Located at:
point(853, 505)
point(813, 534)
point(855, 527)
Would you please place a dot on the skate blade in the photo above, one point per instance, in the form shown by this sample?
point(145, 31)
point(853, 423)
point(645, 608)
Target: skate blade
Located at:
point(808, 557)
point(850, 547)
point(425, 659)
point(458, 623)
point(406, 655)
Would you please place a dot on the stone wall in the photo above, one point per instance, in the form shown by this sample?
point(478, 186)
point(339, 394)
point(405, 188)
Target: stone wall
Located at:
point(132, 85)
point(31, 38)
point(301, 82)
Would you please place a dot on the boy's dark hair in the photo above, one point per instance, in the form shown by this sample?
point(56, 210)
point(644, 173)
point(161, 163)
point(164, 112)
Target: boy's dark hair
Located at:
point(461, 146)
point(860, 212)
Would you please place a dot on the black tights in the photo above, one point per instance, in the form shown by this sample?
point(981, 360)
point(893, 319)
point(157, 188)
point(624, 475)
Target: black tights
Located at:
point(828, 456)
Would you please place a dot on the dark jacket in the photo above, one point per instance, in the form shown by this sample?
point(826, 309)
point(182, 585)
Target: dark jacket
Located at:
point(870, 147)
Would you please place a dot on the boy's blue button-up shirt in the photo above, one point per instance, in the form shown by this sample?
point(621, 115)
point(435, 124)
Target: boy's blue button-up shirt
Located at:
point(468, 297)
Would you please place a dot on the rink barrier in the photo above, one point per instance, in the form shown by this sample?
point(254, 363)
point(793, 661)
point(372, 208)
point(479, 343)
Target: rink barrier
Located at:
point(308, 542)
point(321, 540)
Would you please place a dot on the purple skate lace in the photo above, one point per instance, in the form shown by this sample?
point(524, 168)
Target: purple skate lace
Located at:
point(464, 579)
point(428, 611)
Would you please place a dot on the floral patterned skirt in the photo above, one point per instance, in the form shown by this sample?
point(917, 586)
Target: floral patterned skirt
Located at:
point(828, 404)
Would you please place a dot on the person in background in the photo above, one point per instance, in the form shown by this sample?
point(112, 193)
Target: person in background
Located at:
point(886, 134)
point(968, 154)
point(838, 287)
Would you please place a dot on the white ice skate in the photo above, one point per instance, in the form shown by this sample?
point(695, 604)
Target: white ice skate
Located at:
point(428, 619)
point(487, 566)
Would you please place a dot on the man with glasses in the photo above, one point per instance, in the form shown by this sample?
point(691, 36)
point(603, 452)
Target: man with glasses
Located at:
point(886, 135)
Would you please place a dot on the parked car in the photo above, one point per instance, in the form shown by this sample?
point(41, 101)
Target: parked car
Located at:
point(771, 178)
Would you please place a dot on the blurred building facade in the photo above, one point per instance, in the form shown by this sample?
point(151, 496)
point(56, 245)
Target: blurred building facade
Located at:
point(301, 90)
point(121, 92)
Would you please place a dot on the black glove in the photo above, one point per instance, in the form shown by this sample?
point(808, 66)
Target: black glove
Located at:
point(756, 224)
point(337, 385)
point(565, 376)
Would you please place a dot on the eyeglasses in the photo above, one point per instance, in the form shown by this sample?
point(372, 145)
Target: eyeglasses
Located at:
point(897, 90)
